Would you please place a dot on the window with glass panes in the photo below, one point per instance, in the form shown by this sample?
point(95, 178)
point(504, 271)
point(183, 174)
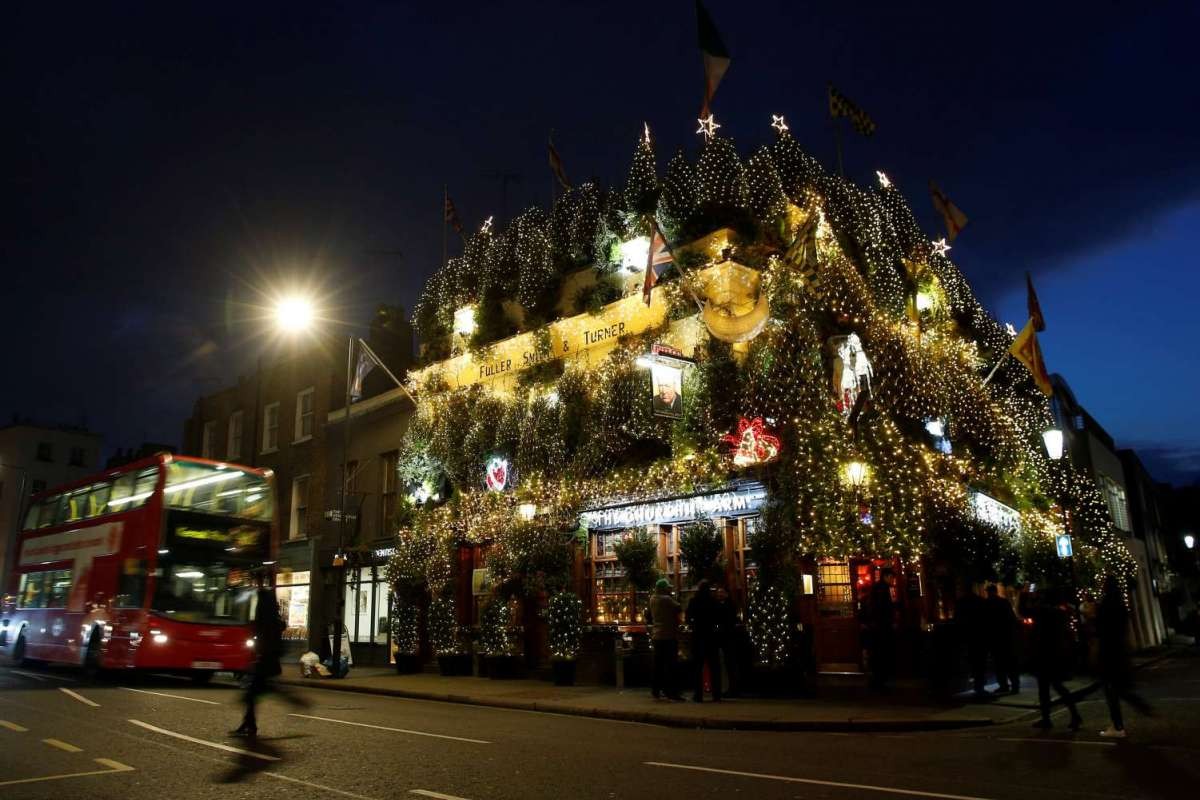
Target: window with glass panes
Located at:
point(367, 606)
point(233, 447)
point(304, 414)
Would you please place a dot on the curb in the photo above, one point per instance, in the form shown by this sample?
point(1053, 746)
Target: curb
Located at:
point(665, 720)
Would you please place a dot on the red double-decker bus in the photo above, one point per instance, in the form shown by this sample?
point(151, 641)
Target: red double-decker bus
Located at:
point(149, 566)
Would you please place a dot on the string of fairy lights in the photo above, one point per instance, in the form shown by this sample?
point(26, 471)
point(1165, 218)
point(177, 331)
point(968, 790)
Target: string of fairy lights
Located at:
point(580, 439)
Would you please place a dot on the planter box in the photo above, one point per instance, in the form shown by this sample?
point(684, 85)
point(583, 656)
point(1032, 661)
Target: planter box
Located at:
point(455, 664)
point(564, 672)
point(503, 667)
point(408, 663)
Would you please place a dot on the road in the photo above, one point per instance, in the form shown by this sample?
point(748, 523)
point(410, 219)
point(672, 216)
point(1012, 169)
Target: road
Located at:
point(163, 738)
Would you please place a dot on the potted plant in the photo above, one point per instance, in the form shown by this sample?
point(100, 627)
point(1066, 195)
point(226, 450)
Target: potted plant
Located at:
point(497, 638)
point(406, 636)
point(444, 637)
point(702, 546)
point(565, 615)
point(636, 552)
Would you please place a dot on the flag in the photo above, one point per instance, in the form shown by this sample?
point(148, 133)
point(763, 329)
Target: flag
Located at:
point(953, 216)
point(712, 51)
point(556, 163)
point(1025, 349)
point(450, 214)
point(658, 259)
point(840, 106)
point(1035, 308)
point(365, 363)
point(802, 254)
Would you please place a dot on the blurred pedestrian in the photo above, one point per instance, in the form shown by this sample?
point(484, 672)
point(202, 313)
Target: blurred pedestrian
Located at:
point(664, 635)
point(702, 618)
point(727, 639)
point(268, 648)
point(1002, 640)
point(1052, 645)
point(881, 631)
point(1115, 663)
point(970, 619)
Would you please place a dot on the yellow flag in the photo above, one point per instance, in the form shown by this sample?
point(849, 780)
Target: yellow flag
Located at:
point(1025, 349)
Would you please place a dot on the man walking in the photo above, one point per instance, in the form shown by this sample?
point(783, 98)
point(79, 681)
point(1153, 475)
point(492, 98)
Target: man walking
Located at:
point(1052, 646)
point(664, 617)
point(881, 631)
point(1002, 636)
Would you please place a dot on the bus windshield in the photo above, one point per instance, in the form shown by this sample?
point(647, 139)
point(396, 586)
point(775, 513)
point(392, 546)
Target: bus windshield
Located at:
point(211, 489)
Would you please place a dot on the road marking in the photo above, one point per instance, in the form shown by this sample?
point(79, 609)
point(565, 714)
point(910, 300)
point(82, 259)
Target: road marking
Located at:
point(1056, 741)
point(394, 730)
point(12, 726)
point(438, 795)
point(43, 676)
point(813, 781)
point(28, 675)
point(194, 740)
point(113, 768)
point(61, 745)
point(78, 697)
point(317, 786)
point(176, 696)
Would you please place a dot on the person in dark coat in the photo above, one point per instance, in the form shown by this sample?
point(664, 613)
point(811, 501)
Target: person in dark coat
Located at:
point(1115, 664)
point(664, 635)
point(727, 638)
point(1002, 639)
point(1051, 644)
point(881, 631)
point(702, 618)
point(970, 619)
point(268, 649)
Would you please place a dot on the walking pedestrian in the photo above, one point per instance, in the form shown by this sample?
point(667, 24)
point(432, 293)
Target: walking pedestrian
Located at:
point(970, 620)
point(702, 618)
point(664, 618)
point(1002, 640)
point(268, 649)
point(881, 632)
point(1052, 652)
point(727, 639)
point(1116, 667)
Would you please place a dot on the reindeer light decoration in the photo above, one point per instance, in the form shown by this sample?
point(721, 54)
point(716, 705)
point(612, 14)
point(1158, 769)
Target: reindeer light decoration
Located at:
point(853, 373)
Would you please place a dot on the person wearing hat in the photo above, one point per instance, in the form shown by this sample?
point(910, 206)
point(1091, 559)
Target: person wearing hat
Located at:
point(664, 618)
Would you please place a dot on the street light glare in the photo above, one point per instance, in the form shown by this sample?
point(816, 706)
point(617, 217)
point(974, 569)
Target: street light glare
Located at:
point(294, 314)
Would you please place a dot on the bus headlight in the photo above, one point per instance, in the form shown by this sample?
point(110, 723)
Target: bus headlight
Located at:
point(250, 643)
point(158, 636)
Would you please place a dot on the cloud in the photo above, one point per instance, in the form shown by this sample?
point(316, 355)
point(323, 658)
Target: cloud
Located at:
point(1176, 464)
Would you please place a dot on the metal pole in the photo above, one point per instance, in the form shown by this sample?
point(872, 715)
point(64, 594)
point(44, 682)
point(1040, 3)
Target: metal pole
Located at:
point(257, 402)
point(339, 560)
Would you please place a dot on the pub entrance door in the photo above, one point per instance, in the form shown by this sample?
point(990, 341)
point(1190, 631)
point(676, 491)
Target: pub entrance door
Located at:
point(836, 633)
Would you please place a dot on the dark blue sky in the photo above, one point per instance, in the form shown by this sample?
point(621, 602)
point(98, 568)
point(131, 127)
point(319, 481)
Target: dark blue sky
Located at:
point(168, 157)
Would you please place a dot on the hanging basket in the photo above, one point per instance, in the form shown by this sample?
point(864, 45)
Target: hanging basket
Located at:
point(735, 328)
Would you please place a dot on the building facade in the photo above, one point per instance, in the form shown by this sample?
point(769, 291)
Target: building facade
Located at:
point(33, 458)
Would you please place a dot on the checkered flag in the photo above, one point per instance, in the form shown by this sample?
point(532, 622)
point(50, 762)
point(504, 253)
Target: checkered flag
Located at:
point(802, 256)
point(840, 106)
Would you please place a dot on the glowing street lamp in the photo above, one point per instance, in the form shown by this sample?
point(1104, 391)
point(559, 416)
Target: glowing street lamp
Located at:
point(856, 473)
point(1053, 439)
point(1189, 541)
point(294, 314)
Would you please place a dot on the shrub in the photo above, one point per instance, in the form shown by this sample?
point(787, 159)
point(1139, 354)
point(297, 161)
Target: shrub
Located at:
point(565, 617)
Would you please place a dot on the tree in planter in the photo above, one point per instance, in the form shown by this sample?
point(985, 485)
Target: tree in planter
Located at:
point(406, 634)
point(701, 545)
point(636, 553)
point(496, 634)
point(443, 626)
point(768, 623)
point(565, 617)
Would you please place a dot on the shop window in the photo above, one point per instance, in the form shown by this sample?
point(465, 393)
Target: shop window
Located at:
point(612, 599)
point(291, 589)
point(367, 607)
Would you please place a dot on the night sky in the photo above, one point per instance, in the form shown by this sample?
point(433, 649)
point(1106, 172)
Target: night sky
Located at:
point(172, 163)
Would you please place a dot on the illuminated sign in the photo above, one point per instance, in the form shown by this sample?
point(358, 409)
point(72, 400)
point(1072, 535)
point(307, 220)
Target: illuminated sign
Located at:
point(1062, 543)
point(742, 501)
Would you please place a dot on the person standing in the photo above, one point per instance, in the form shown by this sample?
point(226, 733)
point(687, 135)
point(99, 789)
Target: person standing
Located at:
point(881, 631)
point(1052, 650)
point(1116, 666)
point(664, 618)
point(727, 638)
point(970, 620)
point(1002, 640)
point(268, 647)
point(702, 617)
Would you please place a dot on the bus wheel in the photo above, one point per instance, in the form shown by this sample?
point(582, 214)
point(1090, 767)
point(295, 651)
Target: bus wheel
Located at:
point(91, 659)
point(18, 650)
point(202, 677)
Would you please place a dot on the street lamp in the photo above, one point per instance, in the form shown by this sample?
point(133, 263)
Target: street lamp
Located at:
point(1053, 439)
point(294, 313)
point(1189, 541)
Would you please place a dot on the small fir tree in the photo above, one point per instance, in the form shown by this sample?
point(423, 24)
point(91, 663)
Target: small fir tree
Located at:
point(641, 184)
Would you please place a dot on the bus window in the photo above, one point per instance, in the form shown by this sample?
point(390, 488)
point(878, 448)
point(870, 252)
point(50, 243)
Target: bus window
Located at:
point(30, 594)
point(54, 511)
point(57, 588)
point(131, 491)
point(77, 505)
point(31, 516)
point(98, 495)
point(218, 490)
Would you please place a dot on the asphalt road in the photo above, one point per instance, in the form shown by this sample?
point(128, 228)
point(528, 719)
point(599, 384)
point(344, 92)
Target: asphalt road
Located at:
point(163, 738)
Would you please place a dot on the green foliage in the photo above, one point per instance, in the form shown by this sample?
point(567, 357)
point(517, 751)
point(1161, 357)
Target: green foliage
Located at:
point(641, 184)
point(637, 552)
point(534, 556)
point(497, 634)
point(405, 624)
point(768, 621)
point(565, 621)
point(702, 547)
point(767, 200)
point(443, 626)
point(677, 201)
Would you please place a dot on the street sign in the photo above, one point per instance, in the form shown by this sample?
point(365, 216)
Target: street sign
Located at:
point(1063, 543)
point(333, 515)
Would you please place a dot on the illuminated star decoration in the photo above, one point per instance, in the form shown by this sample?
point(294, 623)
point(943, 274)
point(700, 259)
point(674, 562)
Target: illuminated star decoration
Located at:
point(487, 226)
point(708, 126)
point(884, 181)
point(752, 443)
point(1010, 329)
point(777, 123)
point(940, 247)
point(646, 136)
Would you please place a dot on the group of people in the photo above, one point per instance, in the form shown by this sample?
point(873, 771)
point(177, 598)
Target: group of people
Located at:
point(713, 622)
point(990, 627)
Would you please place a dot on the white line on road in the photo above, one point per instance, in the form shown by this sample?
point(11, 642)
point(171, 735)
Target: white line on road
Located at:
point(394, 730)
point(78, 697)
point(28, 675)
point(813, 781)
point(322, 787)
point(437, 795)
point(204, 742)
point(1056, 741)
point(113, 768)
point(44, 676)
point(61, 745)
point(12, 726)
point(176, 696)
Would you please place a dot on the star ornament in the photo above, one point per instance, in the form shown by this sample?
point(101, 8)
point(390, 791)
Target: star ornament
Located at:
point(487, 225)
point(708, 126)
point(884, 180)
point(940, 247)
point(646, 136)
point(777, 123)
point(753, 443)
